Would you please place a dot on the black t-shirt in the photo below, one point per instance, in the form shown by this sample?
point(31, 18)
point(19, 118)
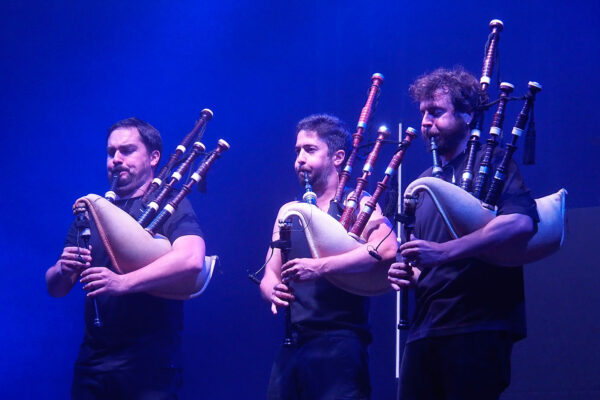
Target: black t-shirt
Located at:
point(470, 295)
point(321, 306)
point(139, 330)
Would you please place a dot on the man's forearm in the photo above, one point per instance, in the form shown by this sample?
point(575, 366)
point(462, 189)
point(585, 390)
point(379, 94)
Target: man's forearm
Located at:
point(169, 274)
point(266, 286)
point(57, 284)
point(501, 237)
point(272, 275)
point(380, 236)
point(357, 260)
point(173, 272)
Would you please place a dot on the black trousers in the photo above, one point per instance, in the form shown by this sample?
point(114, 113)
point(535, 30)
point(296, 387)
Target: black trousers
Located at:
point(457, 367)
point(129, 384)
point(330, 366)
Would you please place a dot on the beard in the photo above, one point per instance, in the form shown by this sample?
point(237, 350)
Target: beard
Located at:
point(316, 178)
point(125, 177)
point(127, 182)
point(447, 142)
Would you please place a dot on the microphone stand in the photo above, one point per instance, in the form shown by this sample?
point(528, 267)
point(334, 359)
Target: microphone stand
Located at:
point(402, 298)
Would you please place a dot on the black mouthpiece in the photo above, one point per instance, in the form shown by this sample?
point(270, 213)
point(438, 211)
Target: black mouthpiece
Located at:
point(254, 279)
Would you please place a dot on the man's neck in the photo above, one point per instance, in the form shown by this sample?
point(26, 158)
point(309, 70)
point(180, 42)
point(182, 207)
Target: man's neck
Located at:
point(326, 193)
point(135, 193)
point(451, 155)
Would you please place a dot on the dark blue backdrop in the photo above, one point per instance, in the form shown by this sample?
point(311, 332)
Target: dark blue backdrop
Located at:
point(70, 69)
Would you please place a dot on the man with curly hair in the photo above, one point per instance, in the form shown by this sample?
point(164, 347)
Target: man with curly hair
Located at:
point(469, 307)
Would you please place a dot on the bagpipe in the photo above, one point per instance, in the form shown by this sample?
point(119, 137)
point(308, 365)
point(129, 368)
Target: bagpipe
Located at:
point(132, 244)
point(473, 204)
point(327, 236)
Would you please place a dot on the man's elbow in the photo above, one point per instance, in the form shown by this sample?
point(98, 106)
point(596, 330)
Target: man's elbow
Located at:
point(388, 251)
point(189, 259)
point(195, 263)
point(188, 252)
point(52, 291)
point(266, 287)
point(263, 290)
point(390, 254)
point(523, 227)
point(53, 285)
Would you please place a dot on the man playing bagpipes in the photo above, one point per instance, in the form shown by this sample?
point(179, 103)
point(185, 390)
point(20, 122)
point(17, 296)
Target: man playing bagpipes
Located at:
point(469, 300)
point(131, 346)
point(325, 352)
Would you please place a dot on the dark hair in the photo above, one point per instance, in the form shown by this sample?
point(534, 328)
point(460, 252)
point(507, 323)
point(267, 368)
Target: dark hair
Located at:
point(462, 87)
point(330, 129)
point(149, 134)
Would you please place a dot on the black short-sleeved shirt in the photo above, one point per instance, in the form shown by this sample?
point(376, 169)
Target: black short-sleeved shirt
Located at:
point(470, 295)
point(321, 306)
point(138, 330)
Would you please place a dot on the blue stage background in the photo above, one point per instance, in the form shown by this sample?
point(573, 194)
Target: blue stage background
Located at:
point(70, 69)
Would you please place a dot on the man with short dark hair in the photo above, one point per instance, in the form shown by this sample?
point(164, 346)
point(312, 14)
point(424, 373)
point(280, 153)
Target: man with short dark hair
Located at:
point(330, 325)
point(469, 307)
point(136, 353)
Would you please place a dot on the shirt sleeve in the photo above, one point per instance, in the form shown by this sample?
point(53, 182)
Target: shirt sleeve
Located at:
point(183, 222)
point(516, 197)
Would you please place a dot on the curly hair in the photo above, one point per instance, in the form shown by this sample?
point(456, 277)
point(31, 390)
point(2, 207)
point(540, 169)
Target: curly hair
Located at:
point(462, 87)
